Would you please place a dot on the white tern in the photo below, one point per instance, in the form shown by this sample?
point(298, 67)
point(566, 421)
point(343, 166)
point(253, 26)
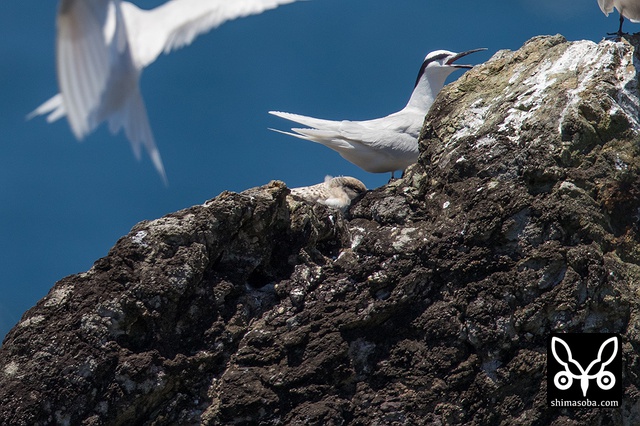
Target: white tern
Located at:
point(389, 143)
point(102, 46)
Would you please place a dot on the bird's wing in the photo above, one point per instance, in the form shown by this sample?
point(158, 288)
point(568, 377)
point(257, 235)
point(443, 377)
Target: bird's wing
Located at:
point(356, 137)
point(83, 59)
point(375, 151)
point(333, 139)
point(345, 134)
point(97, 75)
point(396, 122)
point(326, 132)
point(606, 6)
point(376, 146)
point(177, 22)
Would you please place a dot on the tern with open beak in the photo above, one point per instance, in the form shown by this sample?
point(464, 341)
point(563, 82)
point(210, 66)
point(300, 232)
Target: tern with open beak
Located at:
point(389, 143)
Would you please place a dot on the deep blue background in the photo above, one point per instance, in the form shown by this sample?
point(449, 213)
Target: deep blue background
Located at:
point(63, 204)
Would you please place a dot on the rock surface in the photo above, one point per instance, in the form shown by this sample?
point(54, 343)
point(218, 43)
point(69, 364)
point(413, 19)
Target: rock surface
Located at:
point(429, 302)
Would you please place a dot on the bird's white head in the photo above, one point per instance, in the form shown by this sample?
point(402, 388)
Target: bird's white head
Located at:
point(434, 71)
point(442, 62)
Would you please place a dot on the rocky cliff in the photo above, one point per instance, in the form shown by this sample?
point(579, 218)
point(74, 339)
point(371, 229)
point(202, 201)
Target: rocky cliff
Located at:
point(429, 302)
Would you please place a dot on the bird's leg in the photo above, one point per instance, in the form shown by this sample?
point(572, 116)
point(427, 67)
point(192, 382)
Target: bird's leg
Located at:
point(620, 29)
point(619, 34)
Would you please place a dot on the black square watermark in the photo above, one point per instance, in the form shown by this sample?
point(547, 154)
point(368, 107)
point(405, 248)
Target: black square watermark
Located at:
point(584, 370)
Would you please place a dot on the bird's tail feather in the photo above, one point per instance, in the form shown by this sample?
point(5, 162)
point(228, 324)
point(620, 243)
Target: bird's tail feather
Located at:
point(295, 135)
point(135, 122)
point(54, 107)
point(328, 138)
point(316, 123)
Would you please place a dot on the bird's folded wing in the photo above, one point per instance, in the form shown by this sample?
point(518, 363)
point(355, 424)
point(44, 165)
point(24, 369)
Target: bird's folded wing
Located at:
point(345, 134)
point(377, 140)
point(177, 22)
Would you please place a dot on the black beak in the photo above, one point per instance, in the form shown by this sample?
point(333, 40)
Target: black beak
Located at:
point(460, 55)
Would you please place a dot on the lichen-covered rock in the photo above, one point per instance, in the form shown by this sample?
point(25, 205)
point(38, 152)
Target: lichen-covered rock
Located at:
point(429, 302)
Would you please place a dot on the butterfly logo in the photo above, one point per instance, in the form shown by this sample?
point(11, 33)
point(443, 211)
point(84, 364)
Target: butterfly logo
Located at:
point(573, 370)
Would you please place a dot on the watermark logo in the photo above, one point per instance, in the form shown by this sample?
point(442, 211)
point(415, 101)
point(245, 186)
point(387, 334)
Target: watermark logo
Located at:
point(584, 370)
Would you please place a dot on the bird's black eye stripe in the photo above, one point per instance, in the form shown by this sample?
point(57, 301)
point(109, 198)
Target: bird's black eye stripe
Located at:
point(438, 57)
point(426, 63)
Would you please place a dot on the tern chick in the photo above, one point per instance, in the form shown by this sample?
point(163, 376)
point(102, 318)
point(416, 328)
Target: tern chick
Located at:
point(389, 143)
point(102, 46)
point(629, 9)
point(335, 192)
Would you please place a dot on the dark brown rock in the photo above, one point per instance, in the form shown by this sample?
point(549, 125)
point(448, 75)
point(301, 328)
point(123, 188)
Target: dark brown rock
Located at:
point(429, 302)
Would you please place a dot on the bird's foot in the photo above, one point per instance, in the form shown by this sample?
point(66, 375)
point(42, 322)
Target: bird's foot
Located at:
point(615, 36)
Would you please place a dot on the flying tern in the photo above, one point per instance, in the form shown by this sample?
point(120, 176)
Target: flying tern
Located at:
point(389, 143)
point(102, 46)
point(629, 9)
point(337, 192)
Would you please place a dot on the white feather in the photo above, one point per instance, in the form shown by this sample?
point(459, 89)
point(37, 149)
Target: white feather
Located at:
point(383, 144)
point(630, 9)
point(102, 47)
